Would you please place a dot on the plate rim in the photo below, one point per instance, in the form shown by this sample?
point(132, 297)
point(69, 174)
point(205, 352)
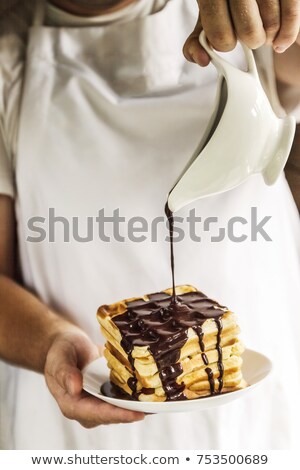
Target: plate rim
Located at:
point(121, 403)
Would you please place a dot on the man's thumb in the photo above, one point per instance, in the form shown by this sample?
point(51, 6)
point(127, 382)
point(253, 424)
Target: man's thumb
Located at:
point(192, 49)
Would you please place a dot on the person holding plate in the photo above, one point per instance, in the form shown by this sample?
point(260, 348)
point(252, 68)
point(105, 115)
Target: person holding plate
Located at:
point(99, 110)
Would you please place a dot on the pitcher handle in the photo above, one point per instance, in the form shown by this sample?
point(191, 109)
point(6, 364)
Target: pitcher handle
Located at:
point(223, 65)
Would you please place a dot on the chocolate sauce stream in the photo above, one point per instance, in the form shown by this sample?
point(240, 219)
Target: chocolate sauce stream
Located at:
point(132, 382)
point(198, 330)
point(211, 380)
point(162, 324)
point(220, 353)
point(170, 218)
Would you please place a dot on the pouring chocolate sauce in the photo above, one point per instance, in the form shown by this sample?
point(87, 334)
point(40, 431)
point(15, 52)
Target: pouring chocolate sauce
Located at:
point(162, 324)
point(170, 218)
point(174, 301)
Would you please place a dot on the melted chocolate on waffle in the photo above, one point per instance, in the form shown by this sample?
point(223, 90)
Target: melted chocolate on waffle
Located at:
point(162, 325)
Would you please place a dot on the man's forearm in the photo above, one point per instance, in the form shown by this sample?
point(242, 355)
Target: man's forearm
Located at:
point(27, 326)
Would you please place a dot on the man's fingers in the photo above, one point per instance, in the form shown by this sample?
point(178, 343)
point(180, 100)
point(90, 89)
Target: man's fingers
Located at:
point(65, 359)
point(100, 412)
point(247, 22)
point(254, 22)
point(67, 355)
point(192, 49)
point(65, 384)
point(194, 52)
point(217, 24)
point(270, 15)
point(290, 23)
point(91, 412)
point(61, 365)
point(74, 383)
point(64, 378)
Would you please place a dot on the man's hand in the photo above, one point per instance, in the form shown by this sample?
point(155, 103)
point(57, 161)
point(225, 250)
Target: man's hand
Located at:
point(68, 354)
point(254, 22)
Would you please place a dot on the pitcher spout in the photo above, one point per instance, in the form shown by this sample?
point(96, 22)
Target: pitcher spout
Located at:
point(244, 136)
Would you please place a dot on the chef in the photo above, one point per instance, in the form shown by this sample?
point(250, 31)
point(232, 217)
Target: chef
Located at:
point(100, 110)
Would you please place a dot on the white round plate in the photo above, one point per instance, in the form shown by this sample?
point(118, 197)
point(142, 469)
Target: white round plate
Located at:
point(256, 368)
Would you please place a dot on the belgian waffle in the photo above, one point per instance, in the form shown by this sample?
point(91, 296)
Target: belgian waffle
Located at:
point(157, 350)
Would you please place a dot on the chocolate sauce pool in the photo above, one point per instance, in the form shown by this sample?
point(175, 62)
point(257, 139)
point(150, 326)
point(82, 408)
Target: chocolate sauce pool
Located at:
point(162, 325)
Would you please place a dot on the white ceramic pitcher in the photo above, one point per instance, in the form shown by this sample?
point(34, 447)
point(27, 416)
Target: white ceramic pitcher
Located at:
point(243, 136)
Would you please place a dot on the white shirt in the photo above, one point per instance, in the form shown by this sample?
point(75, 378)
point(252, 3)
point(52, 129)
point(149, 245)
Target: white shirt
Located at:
point(89, 140)
point(137, 9)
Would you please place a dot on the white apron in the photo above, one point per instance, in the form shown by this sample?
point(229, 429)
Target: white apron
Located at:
point(110, 115)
